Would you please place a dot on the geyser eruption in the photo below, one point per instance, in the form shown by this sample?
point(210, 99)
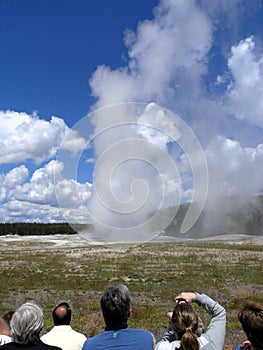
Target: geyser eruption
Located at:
point(147, 159)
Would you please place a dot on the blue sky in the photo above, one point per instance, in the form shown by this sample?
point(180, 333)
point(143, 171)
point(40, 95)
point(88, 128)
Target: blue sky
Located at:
point(202, 60)
point(51, 48)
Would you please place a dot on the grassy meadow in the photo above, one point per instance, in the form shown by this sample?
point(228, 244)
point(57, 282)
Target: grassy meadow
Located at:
point(154, 272)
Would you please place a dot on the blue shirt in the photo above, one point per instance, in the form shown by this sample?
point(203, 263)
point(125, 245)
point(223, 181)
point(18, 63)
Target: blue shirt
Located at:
point(122, 339)
point(242, 346)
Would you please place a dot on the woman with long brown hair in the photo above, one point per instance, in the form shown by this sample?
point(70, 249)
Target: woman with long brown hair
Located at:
point(184, 324)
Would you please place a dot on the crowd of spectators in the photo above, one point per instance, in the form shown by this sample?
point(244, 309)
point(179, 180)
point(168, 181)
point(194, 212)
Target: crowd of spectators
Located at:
point(23, 328)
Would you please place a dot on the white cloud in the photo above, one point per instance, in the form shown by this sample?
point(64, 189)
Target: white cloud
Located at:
point(234, 170)
point(42, 189)
point(26, 137)
point(245, 92)
point(73, 194)
point(10, 181)
point(15, 177)
point(15, 210)
point(37, 198)
point(73, 142)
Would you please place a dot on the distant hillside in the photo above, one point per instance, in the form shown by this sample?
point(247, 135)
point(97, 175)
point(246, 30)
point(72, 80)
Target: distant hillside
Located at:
point(228, 216)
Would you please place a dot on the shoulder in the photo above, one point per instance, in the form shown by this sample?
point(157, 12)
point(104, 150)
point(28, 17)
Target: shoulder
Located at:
point(48, 333)
point(137, 330)
point(5, 346)
point(45, 346)
point(9, 346)
point(140, 333)
point(4, 339)
point(94, 339)
point(166, 345)
point(78, 334)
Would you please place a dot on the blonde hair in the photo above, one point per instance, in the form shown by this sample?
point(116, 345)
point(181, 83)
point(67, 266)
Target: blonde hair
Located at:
point(185, 325)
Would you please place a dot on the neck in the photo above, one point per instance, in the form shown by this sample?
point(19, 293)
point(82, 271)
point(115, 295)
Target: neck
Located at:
point(115, 327)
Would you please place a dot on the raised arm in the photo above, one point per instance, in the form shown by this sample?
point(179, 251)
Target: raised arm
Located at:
point(216, 330)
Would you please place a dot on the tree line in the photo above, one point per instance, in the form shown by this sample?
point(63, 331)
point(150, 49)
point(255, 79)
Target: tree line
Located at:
point(30, 229)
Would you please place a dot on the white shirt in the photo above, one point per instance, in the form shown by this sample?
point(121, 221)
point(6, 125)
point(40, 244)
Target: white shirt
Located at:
point(4, 339)
point(65, 338)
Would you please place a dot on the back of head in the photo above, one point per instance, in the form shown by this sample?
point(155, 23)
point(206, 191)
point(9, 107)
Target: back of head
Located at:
point(251, 319)
point(62, 314)
point(27, 323)
point(7, 316)
point(4, 327)
point(115, 305)
point(185, 325)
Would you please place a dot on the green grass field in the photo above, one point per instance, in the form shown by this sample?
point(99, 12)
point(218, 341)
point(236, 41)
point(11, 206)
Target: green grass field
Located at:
point(154, 272)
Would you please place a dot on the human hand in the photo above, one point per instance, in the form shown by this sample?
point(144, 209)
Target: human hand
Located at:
point(169, 316)
point(187, 296)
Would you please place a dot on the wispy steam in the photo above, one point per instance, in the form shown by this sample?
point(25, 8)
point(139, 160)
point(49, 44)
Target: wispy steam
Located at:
point(167, 63)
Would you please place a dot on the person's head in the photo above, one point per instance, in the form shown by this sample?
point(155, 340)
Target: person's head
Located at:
point(62, 314)
point(26, 323)
point(115, 305)
point(7, 316)
point(4, 327)
point(251, 319)
point(185, 325)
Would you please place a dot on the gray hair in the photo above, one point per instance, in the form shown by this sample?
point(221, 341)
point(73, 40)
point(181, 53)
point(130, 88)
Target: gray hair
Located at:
point(27, 323)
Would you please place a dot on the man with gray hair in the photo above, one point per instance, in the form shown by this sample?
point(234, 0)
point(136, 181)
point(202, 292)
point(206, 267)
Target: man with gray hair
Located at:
point(26, 325)
point(115, 305)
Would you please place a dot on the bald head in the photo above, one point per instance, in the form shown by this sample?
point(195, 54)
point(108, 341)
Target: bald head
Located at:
point(62, 314)
point(61, 311)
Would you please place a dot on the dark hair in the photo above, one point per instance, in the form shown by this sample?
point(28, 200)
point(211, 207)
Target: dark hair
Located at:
point(4, 327)
point(185, 324)
point(115, 305)
point(62, 318)
point(251, 319)
point(7, 316)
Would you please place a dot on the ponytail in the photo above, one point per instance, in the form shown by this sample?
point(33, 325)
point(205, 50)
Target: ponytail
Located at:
point(185, 325)
point(189, 340)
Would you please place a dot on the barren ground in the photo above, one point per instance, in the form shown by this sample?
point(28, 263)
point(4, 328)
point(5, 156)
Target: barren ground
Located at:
point(53, 268)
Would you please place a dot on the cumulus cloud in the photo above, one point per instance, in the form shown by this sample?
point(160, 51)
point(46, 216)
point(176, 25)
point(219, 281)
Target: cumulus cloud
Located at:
point(234, 170)
point(26, 196)
point(27, 137)
point(15, 177)
point(245, 92)
point(17, 211)
point(37, 197)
